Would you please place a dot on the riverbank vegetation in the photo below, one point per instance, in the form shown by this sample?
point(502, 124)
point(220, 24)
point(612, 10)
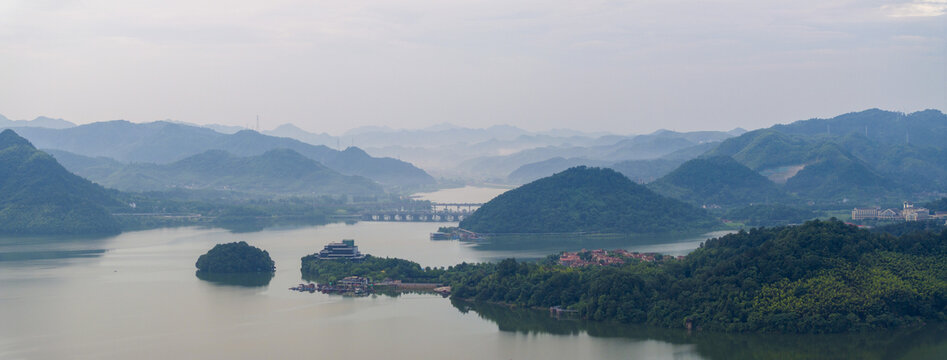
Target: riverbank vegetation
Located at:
point(819, 277)
point(823, 276)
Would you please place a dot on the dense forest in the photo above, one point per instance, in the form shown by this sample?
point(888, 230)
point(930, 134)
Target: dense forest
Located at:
point(236, 257)
point(818, 277)
point(585, 199)
point(38, 196)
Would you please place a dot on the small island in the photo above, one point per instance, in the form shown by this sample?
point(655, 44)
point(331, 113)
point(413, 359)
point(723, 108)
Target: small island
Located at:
point(236, 257)
point(341, 269)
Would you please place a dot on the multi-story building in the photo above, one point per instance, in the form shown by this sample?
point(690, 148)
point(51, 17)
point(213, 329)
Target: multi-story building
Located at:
point(341, 250)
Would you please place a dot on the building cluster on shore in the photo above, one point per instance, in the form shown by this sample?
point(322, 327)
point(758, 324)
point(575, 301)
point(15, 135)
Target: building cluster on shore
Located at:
point(346, 251)
point(602, 257)
point(907, 213)
point(350, 285)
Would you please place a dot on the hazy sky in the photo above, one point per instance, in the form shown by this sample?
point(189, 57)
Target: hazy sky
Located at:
point(620, 66)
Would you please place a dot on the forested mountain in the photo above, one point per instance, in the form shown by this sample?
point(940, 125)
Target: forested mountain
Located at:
point(810, 168)
point(585, 199)
point(718, 180)
point(38, 196)
point(280, 171)
point(165, 142)
point(867, 155)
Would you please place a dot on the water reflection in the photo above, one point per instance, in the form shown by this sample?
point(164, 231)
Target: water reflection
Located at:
point(929, 342)
point(51, 247)
point(52, 254)
point(236, 279)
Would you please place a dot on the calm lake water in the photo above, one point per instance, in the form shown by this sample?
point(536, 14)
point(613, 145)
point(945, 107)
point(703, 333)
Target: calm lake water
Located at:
point(136, 295)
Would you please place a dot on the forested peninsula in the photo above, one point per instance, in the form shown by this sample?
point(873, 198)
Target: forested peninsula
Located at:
point(818, 277)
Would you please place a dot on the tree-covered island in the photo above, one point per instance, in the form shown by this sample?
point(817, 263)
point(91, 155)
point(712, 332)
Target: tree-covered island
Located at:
point(235, 257)
point(819, 277)
point(372, 267)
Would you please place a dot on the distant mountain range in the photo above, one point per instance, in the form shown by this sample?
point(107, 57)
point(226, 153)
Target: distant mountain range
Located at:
point(871, 156)
point(442, 147)
point(41, 121)
point(280, 171)
point(165, 142)
point(824, 161)
point(642, 158)
point(38, 196)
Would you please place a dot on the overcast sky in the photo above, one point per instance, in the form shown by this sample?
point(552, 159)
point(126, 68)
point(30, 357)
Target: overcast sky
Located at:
point(619, 66)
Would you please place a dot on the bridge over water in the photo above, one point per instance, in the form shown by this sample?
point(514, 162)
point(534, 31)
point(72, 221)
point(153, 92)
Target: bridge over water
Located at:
point(438, 212)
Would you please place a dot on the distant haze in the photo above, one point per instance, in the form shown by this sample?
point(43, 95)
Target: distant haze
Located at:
point(329, 66)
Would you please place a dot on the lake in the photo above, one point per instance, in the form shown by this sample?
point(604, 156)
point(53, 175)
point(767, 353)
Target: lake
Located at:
point(136, 295)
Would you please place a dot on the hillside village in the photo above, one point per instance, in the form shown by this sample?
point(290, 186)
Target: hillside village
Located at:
point(600, 257)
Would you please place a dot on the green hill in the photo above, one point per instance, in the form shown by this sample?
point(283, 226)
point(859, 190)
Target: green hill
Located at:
point(585, 199)
point(38, 196)
point(717, 180)
point(280, 171)
point(833, 173)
